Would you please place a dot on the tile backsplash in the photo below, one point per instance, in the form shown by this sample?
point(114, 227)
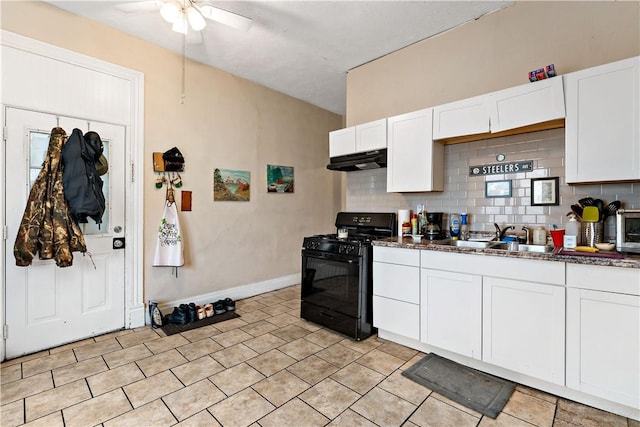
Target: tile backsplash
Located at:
point(367, 190)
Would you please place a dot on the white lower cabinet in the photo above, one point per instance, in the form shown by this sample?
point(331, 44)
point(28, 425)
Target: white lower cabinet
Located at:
point(523, 327)
point(603, 332)
point(396, 291)
point(451, 311)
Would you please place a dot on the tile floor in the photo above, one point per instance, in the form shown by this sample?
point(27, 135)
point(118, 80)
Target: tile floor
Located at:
point(266, 368)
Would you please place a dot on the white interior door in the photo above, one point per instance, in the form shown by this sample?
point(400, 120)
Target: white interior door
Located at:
point(46, 305)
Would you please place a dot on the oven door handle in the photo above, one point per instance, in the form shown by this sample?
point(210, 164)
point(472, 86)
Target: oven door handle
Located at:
point(331, 257)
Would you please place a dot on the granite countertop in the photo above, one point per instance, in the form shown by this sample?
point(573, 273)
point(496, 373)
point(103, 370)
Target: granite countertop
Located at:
point(629, 261)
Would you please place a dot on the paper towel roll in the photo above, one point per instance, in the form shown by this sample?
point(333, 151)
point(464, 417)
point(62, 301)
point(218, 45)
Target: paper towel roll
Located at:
point(403, 216)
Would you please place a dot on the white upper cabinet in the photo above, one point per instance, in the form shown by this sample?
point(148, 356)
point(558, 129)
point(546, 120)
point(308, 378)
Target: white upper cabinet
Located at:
point(467, 117)
point(512, 108)
point(356, 139)
point(414, 161)
point(342, 142)
point(371, 136)
point(602, 137)
point(527, 104)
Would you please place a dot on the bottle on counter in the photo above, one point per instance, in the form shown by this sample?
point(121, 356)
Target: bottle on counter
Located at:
point(406, 228)
point(464, 227)
point(539, 235)
point(454, 226)
point(414, 224)
point(571, 233)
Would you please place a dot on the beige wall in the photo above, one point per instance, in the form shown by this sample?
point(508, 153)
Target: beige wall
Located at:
point(494, 52)
point(225, 122)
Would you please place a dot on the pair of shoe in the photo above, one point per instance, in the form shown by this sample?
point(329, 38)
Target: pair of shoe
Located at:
point(221, 306)
point(180, 315)
point(183, 314)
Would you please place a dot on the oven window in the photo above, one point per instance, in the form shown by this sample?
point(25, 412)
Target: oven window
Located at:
point(632, 230)
point(331, 283)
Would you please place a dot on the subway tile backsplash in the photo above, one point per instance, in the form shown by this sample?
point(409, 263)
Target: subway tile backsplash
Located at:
point(367, 190)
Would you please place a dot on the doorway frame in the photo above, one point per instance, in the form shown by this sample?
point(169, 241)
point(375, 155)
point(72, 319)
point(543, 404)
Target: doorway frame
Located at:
point(135, 313)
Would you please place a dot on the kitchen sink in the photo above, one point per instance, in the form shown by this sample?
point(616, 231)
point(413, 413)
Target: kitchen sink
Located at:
point(496, 245)
point(524, 248)
point(475, 244)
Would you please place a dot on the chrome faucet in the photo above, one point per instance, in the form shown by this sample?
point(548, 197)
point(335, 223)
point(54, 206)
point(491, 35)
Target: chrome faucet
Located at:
point(501, 232)
point(527, 232)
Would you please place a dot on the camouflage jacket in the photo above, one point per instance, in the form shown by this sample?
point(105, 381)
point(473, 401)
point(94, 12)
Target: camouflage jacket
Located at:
point(47, 228)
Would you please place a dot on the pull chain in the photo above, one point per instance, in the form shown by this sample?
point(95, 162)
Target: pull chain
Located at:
point(184, 65)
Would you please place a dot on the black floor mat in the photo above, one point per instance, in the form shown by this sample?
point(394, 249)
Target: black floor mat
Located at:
point(171, 329)
point(469, 387)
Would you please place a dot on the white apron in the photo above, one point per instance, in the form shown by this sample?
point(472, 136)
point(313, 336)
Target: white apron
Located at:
point(169, 252)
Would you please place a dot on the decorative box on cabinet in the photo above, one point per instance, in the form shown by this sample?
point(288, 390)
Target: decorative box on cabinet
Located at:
point(602, 130)
point(414, 161)
point(603, 332)
point(357, 139)
point(396, 291)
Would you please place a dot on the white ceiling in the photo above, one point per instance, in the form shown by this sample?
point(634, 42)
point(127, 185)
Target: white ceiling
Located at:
point(300, 48)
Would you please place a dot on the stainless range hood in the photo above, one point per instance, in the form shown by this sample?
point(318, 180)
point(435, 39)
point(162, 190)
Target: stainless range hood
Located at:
point(359, 161)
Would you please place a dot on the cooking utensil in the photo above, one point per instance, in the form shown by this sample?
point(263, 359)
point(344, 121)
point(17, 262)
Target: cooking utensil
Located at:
point(577, 209)
point(587, 201)
point(590, 214)
point(599, 203)
point(612, 208)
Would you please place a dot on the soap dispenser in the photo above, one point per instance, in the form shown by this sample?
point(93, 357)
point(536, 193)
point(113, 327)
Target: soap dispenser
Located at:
point(572, 232)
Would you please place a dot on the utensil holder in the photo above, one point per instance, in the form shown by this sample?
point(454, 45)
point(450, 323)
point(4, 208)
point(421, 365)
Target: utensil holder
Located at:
point(592, 233)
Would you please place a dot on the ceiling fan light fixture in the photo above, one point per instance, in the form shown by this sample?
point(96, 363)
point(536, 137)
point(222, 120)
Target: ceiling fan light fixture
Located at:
point(195, 19)
point(180, 24)
point(170, 11)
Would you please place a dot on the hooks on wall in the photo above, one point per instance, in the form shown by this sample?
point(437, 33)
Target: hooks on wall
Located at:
point(171, 179)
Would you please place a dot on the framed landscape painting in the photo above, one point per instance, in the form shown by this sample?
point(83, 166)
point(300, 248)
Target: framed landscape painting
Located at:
point(231, 185)
point(279, 179)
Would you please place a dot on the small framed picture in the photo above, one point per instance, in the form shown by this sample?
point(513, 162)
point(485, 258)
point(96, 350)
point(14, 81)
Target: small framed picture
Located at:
point(498, 188)
point(545, 191)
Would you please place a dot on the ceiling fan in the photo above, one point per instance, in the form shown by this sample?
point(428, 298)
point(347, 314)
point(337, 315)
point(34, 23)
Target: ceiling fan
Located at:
point(185, 14)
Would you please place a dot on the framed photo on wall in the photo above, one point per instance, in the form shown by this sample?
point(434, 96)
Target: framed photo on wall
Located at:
point(498, 188)
point(545, 191)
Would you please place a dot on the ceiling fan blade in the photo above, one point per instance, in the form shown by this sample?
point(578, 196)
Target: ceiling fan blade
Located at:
point(140, 6)
point(222, 16)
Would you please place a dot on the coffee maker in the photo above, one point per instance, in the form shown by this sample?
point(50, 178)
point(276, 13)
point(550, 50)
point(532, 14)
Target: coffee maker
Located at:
point(433, 227)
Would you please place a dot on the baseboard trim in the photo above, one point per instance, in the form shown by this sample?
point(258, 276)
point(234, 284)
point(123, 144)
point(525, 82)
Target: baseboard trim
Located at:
point(235, 293)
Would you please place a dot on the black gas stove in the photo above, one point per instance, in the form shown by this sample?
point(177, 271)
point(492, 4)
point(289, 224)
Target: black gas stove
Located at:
point(337, 278)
